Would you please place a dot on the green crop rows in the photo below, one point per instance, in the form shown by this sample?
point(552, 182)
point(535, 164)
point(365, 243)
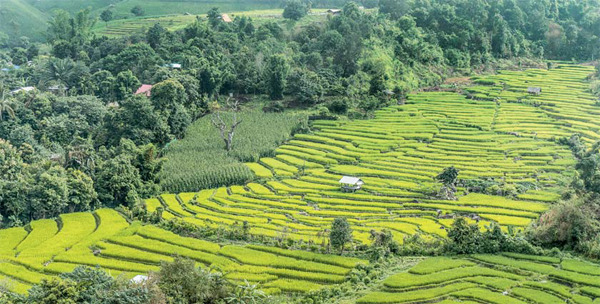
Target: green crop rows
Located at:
point(492, 279)
point(104, 238)
point(200, 160)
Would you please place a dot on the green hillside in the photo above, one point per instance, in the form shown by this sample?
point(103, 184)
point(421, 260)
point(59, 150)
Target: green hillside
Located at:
point(153, 7)
point(162, 7)
point(19, 18)
point(29, 17)
point(70, 5)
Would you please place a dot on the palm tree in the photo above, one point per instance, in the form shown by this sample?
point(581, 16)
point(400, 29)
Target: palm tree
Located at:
point(58, 72)
point(5, 106)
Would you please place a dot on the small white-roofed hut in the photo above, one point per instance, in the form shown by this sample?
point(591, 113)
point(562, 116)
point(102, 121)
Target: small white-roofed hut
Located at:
point(534, 90)
point(351, 184)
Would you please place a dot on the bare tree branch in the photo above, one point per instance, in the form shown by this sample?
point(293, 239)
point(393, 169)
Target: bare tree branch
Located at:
point(227, 131)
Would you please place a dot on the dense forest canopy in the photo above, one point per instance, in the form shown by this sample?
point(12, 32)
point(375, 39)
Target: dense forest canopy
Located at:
point(81, 139)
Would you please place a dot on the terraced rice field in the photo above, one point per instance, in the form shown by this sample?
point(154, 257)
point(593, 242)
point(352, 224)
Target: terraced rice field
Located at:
point(507, 278)
point(46, 248)
point(174, 22)
point(501, 134)
point(119, 28)
point(564, 107)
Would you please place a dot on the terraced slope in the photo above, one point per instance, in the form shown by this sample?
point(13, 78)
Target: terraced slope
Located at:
point(487, 133)
point(308, 218)
point(106, 239)
point(508, 278)
point(564, 107)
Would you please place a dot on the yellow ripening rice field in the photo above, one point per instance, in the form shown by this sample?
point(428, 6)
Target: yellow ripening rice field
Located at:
point(506, 278)
point(46, 248)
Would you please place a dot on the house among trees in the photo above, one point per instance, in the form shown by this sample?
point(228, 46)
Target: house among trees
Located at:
point(225, 18)
point(534, 90)
point(334, 11)
point(58, 89)
point(351, 184)
point(22, 89)
point(11, 67)
point(173, 65)
point(144, 89)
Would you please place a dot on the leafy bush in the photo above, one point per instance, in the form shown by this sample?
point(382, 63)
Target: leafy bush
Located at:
point(182, 282)
point(339, 106)
point(383, 245)
point(86, 285)
point(567, 224)
point(305, 86)
point(465, 238)
point(274, 106)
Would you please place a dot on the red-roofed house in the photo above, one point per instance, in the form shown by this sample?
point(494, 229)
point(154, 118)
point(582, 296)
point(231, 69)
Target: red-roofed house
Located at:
point(144, 89)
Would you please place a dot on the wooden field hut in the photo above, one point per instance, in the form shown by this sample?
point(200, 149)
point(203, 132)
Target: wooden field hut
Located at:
point(351, 183)
point(534, 90)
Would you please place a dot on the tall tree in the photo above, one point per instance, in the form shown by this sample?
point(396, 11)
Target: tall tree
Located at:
point(155, 35)
point(106, 15)
point(125, 84)
point(166, 94)
point(59, 27)
point(118, 181)
point(276, 74)
point(138, 10)
point(395, 8)
point(340, 234)
point(6, 107)
point(295, 9)
point(214, 17)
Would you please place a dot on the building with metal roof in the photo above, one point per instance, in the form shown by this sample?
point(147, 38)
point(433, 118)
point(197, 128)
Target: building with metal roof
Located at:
point(351, 183)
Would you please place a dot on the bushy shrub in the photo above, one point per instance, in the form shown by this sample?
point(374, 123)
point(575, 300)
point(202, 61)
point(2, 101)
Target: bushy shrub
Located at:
point(417, 245)
point(339, 106)
point(85, 285)
point(369, 104)
point(569, 224)
point(383, 245)
point(495, 187)
point(595, 87)
point(305, 86)
point(182, 282)
point(465, 238)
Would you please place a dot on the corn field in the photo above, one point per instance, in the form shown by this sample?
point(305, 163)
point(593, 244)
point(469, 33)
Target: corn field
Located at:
point(200, 160)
